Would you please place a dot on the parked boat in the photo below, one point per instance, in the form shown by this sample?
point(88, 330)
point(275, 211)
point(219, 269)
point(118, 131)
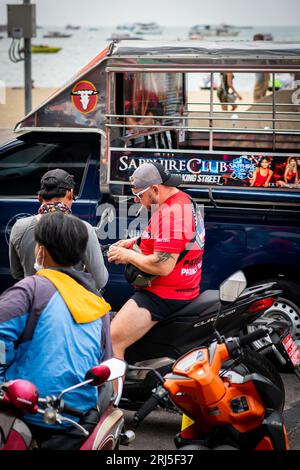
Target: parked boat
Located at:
point(126, 27)
point(56, 34)
point(43, 49)
point(268, 37)
point(147, 28)
point(121, 36)
point(69, 26)
point(200, 31)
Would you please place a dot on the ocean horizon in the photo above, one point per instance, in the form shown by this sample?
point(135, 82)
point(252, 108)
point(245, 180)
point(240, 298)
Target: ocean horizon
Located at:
point(53, 70)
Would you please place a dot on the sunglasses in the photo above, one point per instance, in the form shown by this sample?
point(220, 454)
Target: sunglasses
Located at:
point(140, 193)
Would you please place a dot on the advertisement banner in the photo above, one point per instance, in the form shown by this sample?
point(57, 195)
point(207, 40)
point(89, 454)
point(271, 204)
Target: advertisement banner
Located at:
point(207, 169)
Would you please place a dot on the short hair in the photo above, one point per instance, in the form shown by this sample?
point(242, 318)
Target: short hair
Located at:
point(64, 236)
point(48, 194)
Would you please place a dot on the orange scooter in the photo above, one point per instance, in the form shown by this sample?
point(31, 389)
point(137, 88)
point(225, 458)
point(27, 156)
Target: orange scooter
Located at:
point(224, 408)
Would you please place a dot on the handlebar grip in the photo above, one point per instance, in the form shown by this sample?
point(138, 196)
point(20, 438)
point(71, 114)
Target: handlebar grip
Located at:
point(251, 337)
point(64, 408)
point(145, 409)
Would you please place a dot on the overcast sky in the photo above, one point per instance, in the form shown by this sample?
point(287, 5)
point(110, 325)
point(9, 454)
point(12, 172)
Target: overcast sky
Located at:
point(165, 12)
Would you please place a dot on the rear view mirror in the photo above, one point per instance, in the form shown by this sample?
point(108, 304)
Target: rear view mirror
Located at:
point(106, 371)
point(232, 287)
point(116, 366)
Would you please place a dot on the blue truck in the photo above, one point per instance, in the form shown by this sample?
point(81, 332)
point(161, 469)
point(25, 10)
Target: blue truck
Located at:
point(134, 103)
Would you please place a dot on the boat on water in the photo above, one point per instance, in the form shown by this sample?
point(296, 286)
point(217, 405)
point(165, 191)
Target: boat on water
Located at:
point(70, 26)
point(147, 28)
point(44, 49)
point(268, 37)
point(200, 31)
point(123, 36)
point(126, 27)
point(56, 34)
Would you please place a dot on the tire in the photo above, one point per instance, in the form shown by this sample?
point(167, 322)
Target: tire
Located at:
point(254, 362)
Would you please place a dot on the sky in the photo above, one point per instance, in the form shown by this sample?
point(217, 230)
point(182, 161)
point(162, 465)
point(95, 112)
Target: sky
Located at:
point(165, 12)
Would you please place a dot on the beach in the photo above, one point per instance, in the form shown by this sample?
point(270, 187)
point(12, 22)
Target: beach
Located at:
point(13, 108)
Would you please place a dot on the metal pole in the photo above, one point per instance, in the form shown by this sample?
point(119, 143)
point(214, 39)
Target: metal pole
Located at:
point(27, 71)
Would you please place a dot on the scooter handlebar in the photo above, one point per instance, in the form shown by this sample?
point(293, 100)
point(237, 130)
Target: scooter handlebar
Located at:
point(145, 409)
point(157, 397)
point(251, 337)
point(64, 408)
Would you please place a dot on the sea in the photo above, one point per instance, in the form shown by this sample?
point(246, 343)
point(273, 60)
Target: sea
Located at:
point(53, 70)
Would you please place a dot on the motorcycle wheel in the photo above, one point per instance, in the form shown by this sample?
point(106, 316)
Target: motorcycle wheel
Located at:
point(254, 362)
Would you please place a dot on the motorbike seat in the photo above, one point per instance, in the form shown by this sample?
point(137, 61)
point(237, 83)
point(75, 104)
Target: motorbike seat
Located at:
point(201, 304)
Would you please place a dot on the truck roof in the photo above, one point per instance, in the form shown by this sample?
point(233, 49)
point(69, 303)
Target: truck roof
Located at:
point(195, 49)
point(63, 111)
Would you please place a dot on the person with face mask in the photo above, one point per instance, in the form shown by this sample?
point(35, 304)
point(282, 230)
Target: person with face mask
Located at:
point(56, 194)
point(51, 323)
point(169, 257)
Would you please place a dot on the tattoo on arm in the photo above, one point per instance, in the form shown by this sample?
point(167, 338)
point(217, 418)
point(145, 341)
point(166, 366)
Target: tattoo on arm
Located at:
point(161, 257)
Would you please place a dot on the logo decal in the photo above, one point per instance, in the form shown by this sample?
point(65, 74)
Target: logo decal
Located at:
point(84, 96)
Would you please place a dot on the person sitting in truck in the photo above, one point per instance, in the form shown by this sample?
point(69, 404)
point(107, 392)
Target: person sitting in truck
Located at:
point(51, 329)
point(56, 194)
point(170, 252)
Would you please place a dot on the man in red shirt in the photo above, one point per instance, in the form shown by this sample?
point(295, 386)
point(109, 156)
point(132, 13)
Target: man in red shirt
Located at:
point(171, 249)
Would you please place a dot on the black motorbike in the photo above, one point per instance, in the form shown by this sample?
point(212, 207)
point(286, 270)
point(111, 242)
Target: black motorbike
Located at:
point(154, 355)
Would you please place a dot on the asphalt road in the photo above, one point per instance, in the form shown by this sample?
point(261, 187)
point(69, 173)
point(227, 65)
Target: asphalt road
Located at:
point(160, 427)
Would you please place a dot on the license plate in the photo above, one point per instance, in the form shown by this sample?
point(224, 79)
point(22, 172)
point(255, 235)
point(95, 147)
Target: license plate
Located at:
point(291, 349)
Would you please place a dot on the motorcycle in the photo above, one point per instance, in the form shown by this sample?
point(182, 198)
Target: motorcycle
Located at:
point(98, 429)
point(222, 408)
point(155, 354)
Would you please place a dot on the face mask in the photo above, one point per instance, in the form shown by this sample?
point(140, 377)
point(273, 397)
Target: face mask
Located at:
point(37, 266)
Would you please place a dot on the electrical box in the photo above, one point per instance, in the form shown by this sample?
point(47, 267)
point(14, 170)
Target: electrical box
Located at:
point(21, 21)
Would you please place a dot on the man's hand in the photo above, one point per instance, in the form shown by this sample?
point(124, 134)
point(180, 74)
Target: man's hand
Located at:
point(118, 254)
point(125, 243)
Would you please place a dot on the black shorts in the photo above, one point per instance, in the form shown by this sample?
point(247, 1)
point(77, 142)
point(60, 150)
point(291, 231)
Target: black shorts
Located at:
point(159, 308)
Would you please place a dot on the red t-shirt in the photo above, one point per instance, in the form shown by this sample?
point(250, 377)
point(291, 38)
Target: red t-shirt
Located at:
point(170, 229)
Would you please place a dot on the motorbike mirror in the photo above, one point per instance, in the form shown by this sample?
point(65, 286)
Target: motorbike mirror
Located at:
point(232, 287)
point(116, 366)
point(106, 371)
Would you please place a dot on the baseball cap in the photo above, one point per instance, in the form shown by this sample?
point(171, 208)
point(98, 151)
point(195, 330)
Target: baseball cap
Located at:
point(153, 173)
point(57, 179)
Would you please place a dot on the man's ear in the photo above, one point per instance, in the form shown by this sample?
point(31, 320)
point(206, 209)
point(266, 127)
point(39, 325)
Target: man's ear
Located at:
point(155, 188)
point(70, 195)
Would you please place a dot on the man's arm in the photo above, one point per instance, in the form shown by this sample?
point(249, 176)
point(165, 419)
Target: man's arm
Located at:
point(93, 259)
point(158, 264)
point(15, 305)
point(16, 268)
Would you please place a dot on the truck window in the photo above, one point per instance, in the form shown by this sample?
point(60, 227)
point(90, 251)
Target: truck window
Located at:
point(21, 168)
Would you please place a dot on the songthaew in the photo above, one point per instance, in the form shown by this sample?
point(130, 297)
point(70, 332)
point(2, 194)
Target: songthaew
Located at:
point(140, 101)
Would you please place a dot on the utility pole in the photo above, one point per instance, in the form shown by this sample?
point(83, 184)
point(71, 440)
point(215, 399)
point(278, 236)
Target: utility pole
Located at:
point(27, 71)
point(21, 24)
